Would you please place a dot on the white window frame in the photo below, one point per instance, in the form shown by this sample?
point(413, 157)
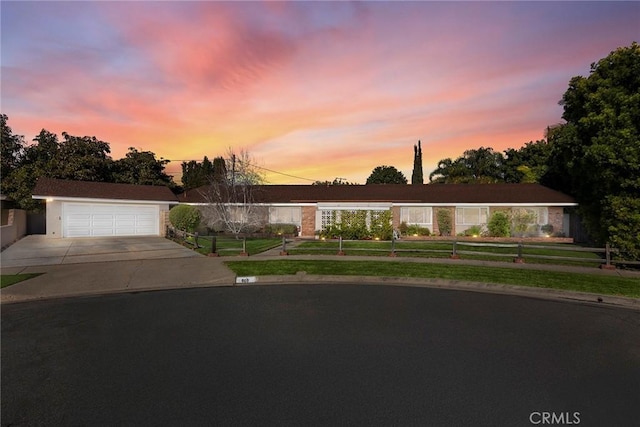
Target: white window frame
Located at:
point(426, 214)
point(285, 215)
point(480, 210)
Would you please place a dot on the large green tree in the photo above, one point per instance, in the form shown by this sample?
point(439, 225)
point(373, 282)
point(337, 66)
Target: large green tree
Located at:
point(528, 163)
point(82, 158)
point(196, 174)
point(142, 168)
point(481, 166)
point(12, 148)
point(386, 175)
point(595, 156)
point(75, 158)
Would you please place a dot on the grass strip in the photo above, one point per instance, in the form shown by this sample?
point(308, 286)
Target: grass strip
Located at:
point(232, 247)
point(443, 249)
point(12, 279)
point(593, 283)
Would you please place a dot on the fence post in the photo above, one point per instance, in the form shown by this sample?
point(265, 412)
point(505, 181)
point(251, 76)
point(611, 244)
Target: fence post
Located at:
point(284, 246)
point(195, 240)
point(244, 247)
point(607, 255)
point(340, 251)
point(393, 246)
point(454, 253)
point(519, 259)
point(214, 248)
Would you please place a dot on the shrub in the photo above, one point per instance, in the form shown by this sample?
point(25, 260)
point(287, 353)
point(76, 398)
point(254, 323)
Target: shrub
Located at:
point(353, 225)
point(416, 230)
point(381, 227)
point(404, 228)
point(281, 229)
point(444, 222)
point(474, 230)
point(185, 217)
point(522, 221)
point(547, 229)
point(499, 225)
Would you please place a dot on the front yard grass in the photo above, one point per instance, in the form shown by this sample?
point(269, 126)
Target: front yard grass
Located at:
point(593, 283)
point(12, 279)
point(226, 246)
point(442, 249)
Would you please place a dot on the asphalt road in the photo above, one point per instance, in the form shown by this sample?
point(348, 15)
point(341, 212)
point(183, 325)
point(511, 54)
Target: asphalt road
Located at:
point(318, 355)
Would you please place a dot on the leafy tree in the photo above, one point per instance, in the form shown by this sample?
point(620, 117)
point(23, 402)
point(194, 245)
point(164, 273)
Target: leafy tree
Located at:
point(596, 155)
point(417, 175)
point(142, 168)
point(219, 169)
point(38, 159)
point(196, 174)
point(12, 148)
point(82, 158)
point(527, 164)
point(185, 217)
point(482, 165)
point(386, 175)
point(75, 158)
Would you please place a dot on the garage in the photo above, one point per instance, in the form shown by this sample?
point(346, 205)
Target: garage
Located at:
point(99, 209)
point(100, 219)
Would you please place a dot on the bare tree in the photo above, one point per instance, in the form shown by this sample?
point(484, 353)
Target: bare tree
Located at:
point(231, 198)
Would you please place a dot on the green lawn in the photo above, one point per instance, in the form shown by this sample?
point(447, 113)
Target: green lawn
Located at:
point(12, 279)
point(442, 249)
point(594, 283)
point(226, 246)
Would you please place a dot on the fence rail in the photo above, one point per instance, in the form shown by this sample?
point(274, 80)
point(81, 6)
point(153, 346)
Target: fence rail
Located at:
point(194, 240)
point(521, 250)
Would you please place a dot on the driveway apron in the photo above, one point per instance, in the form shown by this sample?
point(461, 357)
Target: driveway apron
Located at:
point(38, 250)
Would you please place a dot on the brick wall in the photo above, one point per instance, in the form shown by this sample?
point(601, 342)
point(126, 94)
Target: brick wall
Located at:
point(556, 218)
point(395, 217)
point(164, 222)
point(308, 222)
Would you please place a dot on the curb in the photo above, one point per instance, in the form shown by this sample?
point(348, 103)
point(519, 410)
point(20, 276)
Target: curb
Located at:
point(599, 300)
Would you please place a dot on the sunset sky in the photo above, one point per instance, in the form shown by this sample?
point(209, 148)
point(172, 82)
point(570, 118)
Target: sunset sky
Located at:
point(316, 90)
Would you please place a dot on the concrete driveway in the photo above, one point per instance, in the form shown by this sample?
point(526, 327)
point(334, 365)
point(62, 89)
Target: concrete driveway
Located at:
point(39, 250)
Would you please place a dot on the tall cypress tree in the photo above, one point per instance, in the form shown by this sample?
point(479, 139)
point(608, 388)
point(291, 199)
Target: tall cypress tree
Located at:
point(416, 176)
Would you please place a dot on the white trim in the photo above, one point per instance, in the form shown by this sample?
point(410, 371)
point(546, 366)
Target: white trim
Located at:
point(357, 206)
point(110, 201)
point(470, 205)
point(386, 205)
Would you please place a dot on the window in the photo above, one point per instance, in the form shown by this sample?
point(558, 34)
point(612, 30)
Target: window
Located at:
point(471, 216)
point(416, 215)
point(285, 215)
point(540, 214)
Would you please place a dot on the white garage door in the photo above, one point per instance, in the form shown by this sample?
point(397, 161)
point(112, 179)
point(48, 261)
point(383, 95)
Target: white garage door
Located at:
point(95, 219)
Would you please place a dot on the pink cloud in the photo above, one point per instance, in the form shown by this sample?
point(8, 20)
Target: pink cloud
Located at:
point(318, 90)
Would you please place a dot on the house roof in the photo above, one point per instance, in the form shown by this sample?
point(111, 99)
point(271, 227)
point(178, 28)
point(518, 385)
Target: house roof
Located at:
point(401, 193)
point(49, 187)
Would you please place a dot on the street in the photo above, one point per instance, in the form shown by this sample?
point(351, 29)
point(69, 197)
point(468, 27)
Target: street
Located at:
point(318, 355)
